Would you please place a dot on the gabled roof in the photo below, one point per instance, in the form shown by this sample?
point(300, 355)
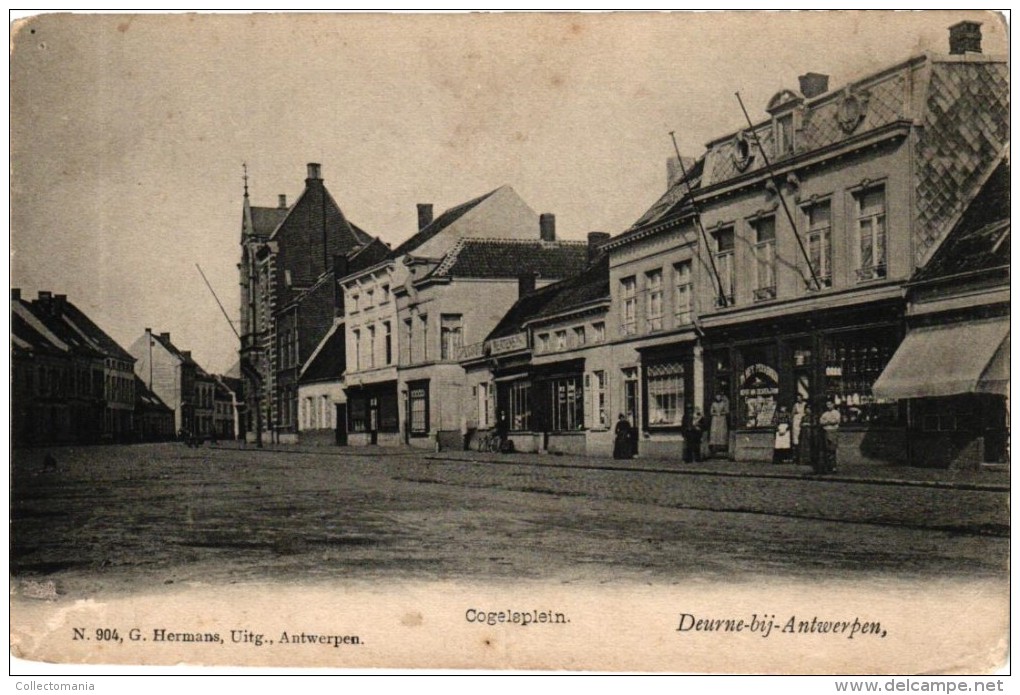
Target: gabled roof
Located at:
point(589, 287)
point(437, 225)
point(327, 363)
point(46, 317)
point(509, 258)
point(24, 337)
point(84, 325)
point(265, 220)
point(173, 350)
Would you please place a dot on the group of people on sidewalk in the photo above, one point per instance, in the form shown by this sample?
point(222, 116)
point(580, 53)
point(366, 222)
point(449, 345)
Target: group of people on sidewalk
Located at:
point(799, 437)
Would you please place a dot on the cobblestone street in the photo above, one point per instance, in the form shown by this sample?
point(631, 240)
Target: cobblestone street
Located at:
point(109, 518)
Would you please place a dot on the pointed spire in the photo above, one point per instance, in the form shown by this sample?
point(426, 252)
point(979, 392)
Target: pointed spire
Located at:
point(244, 166)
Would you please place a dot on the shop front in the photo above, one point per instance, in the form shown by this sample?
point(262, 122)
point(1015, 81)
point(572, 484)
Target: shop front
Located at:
point(667, 399)
point(557, 397)
point(801, 364)
point(372, 416)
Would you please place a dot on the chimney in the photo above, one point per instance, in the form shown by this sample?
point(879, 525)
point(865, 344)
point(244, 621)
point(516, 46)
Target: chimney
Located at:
point(45, 295)
point(424, 215)
point(547, 226)
point(60, 301)
point(16, 294)
point(595, 241)
point(283, 201)
point(965, 37)
point(526, 283)
point(314, 172)
point(165, 337)
point(148, 331)
point(813, 83)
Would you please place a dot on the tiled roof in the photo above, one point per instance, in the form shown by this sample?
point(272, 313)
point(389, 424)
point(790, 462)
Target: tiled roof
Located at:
point(265, 220)
point(329, 361)
point(28, 339)
point(508, 258)
point(590, 286)
point(49, 316)
point(146, 399)
point(980, 241)
point(80, 321)
point(437, 225)
point(676, 193)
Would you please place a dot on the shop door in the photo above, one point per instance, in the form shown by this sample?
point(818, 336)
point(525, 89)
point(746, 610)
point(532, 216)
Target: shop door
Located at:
point(631, 406)
point(341, 424)
point(373, 421)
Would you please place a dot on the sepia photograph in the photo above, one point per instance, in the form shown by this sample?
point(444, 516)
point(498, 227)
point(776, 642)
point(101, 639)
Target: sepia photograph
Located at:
point(587, 342)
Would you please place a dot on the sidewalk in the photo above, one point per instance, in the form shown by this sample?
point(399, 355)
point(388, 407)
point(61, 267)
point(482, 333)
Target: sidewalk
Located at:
point(989, 478)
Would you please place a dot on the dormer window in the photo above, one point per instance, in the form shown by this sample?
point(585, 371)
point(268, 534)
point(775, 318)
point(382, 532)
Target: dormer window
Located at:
point(784, 108)
point(784, 135)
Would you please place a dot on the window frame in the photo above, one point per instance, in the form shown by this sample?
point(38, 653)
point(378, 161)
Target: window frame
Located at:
point(628, 305)
point(879, 231)
point(683, 310)
point(764, 257)
point(653, 300)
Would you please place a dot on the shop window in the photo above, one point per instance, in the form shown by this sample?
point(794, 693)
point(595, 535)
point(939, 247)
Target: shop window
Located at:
point(419, 410)
point(819, 242)
point(520, 405)
point(871, 252)
point(665, 384)
point(853, 362)
point(579, 336)
point(682, 292)
point(598, 330)
point(724, 266)
point(628, 319)
point(451, 335)
point(653, 299)
point(567, 404)
point(765, 258)
point(759, 391)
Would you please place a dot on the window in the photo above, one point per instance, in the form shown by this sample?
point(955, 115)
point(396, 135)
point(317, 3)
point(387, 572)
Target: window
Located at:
point(405, 347)
point(327, 413)
point(765, 258)
point(356, 339)
point(819, 242)
point(598, 330)
point(653, 299)
point(485, 405)
point(579, 337)
point(450, 335)
point(784, 135)
point(384, 294)
point(682, 293)
point(567, 404)
point(870, 207)
point(520, 405)
point(543, 342)
point(387, 342)
point(287, 279)
point(304, 414)
point(561, 340)
point(665, 383)
point(424, 337)
point(419, 410)
point(628, 320)
point(600, 414)
point(724, 265)
point(853, 362)
point(370, 348)
point(354, 301)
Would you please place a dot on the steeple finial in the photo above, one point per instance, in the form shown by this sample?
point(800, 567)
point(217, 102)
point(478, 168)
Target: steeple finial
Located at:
point(244, 166)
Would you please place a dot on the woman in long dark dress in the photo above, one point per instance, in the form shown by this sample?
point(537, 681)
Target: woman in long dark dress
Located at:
point(622, 446)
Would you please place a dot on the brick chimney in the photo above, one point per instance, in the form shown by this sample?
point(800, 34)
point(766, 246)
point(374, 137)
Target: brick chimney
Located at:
point(424, 215)
point(45, 295)
point(595, 241)
point(813, 83)
point(965, 37)
point(547, 226)
point(526, 283)
point(59, 302)
point(16, 294)
point(282, 201)
point(314, 172)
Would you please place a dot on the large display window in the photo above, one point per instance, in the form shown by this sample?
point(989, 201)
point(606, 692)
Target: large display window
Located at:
point(757, 389)
point(853, 362)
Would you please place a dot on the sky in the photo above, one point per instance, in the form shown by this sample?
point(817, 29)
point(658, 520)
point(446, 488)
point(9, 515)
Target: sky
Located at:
point(128, 133)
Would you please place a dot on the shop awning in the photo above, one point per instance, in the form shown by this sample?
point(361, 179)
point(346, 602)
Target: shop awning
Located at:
point(965, 357)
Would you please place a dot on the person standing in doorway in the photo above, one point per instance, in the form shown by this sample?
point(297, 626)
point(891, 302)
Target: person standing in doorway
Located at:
point(694, 432)
point(781, 447)
point(622, 447)
point(798, 418)
point(719, 432)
